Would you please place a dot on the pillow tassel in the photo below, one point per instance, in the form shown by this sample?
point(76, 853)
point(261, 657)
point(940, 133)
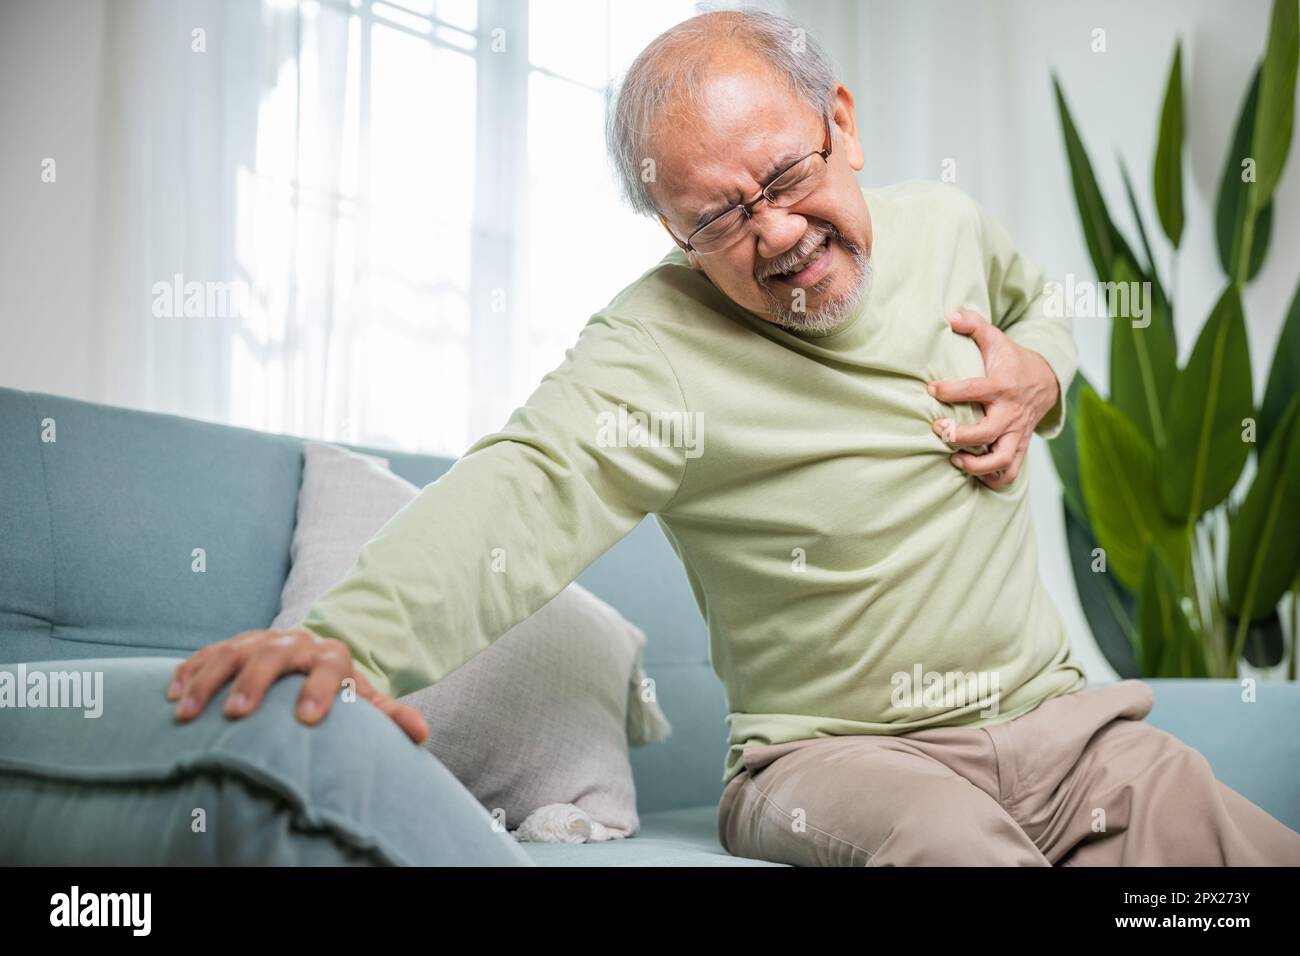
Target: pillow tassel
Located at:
point(562, 823)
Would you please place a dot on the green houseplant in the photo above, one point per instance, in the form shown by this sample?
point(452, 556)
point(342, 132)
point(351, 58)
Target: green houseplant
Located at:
point(1181, 497)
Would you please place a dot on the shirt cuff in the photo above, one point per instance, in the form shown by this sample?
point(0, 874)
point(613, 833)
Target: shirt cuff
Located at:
point(1062, 361)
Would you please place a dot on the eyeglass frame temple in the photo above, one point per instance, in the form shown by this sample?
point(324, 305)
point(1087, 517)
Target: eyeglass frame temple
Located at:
point(746, 208)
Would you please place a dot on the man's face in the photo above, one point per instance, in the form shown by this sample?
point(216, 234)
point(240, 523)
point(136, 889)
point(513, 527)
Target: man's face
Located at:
point(746, 127)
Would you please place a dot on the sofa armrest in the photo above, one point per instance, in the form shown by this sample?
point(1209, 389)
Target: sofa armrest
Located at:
point(115, 779)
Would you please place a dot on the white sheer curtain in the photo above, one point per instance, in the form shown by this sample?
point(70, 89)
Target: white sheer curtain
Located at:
point(414, 195)
point(173, 124)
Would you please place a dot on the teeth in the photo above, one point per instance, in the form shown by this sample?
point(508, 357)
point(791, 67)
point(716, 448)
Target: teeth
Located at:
point(805, 263)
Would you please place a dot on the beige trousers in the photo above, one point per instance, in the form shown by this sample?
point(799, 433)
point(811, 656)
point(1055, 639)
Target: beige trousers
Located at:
point(1081, 780)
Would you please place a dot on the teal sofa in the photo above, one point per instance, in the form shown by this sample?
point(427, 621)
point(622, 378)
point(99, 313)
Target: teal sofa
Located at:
point(98, 531)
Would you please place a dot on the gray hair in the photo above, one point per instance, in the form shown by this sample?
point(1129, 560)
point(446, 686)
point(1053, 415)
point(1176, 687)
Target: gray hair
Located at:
point(673, 63)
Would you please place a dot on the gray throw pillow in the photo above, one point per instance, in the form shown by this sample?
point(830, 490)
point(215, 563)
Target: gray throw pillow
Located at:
point(344, 499)
point(544, 715)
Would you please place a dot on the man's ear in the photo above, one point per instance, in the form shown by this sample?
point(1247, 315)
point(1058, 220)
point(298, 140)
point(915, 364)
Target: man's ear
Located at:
point(847, 123)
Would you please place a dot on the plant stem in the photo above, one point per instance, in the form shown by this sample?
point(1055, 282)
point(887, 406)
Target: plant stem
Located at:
point(1295, 629)
point(1196, 549)
point(1218, 557)
point(1243, 627)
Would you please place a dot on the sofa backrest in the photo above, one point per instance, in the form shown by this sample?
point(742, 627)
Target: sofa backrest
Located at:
point(110, 514)
point(133, 533)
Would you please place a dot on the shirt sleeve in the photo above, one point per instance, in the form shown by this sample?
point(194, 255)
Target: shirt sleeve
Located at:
point(1020, 307)
point(517, 518)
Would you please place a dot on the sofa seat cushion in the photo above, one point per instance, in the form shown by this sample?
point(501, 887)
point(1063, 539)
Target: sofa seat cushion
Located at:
point(131, 786)
point(1239, 739)
point(668, 838)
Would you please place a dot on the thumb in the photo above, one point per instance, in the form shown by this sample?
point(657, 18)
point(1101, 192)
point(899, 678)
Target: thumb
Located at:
point(968, 322)
point(963, 321)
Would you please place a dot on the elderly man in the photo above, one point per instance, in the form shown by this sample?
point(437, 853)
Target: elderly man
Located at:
point(853, 523)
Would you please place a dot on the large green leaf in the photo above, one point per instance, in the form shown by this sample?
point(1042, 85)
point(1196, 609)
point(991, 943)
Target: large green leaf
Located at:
point(1276, 112)
point(1107, 604)
point(1204, 450)
point(1167, 646)
point(1264, 536)
point(1283, 377)
point(1065, 450)
point(1168, 173)
point(1104, 241)
point(1143, 365)
point(1233, 205)
point(1151, 272)
point(1117, 467)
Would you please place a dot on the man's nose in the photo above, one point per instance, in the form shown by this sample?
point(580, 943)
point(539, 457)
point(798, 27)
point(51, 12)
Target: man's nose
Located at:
point(778, 230)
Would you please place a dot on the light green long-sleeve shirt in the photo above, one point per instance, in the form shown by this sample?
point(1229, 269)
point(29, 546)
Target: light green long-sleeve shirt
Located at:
point(834, 551)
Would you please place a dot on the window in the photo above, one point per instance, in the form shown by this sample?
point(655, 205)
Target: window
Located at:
point(411, 222)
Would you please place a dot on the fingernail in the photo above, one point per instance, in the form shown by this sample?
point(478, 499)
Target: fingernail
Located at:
point(953, 316)
point(173, 689)
point(188, 707)
point(308, 710)
point(945, 429)
point(238, 702)
point(932, 388)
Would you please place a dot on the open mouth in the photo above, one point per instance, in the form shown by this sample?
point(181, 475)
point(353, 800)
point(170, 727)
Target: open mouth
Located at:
point(809, 269)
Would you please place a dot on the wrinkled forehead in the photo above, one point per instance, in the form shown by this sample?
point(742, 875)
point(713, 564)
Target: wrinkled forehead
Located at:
point(718, 146)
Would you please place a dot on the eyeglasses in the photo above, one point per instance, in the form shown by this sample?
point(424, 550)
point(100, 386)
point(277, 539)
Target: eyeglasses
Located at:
point(789, 186)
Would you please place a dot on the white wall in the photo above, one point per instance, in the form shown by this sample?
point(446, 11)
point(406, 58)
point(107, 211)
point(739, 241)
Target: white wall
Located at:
point(971, 82)
point(51, 54)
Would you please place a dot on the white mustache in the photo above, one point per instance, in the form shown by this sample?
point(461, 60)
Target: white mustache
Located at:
point(811, 240)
